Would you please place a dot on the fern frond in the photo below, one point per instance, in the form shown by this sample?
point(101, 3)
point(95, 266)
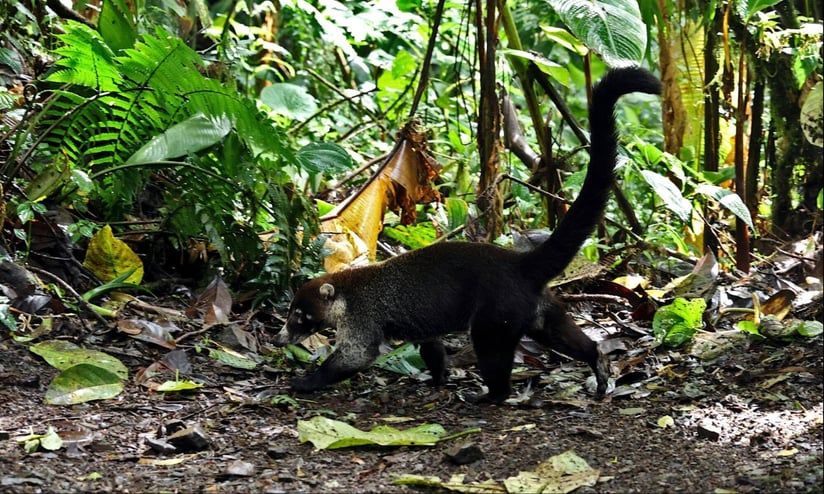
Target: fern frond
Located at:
point(86, 60)
point(112, 105)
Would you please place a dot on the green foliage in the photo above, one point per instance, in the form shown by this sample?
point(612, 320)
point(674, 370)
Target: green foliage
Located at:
point(322, 158)
point(612, 28)
point(676, 323)
point(326, 433)
point(232, 359)
point(769, 326)
point(134, 111)
point(144, 92)
point(117, 24)
point(50, 441)
point(85, 374)
point(125, 119)
point(685, 202)
point(748, 8)
point(82, 383)
point(118, 283)
point(292, 254)
point(406, 360)
point(63, 355)
point(178, 386)
point(808, 329)
point(412, 236)
point(194, 134)
point(286, 400)
point(289, 100)
point(6, 317)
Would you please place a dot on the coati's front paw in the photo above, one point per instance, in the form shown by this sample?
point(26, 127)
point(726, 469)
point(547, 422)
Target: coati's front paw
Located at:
point(438, 379)
point(602, 372)
point(487, 398)
point(305, 384)
point(483, 399)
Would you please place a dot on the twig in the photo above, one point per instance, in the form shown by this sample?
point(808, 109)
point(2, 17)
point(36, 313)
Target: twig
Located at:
point(344, 99)
point(80, 300)
point(593, 297)
point(192, 333)
point(536, 74)
point(427, 59)
point(535, 189)
point(344, 96)
point(354, 173)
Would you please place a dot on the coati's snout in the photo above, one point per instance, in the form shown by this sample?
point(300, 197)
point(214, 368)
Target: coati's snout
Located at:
point(307, 314)
point(287, 337)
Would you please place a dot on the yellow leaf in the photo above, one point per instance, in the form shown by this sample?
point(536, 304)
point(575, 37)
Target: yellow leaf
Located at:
point(666, 421)
point(402, 181)
point(161, 462)
point(108, 257)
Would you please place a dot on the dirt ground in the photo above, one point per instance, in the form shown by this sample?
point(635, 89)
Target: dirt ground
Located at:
point(748, 421)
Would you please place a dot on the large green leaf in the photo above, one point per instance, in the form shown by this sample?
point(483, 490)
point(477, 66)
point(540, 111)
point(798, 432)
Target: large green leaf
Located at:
point(612, 28)
point(12, 59)
point(63, 355)
point(325, 433)
point(406, 360)
point(669, 193)
point(730, 200)
point(324, 157)
point(189, 136)
point(290, 100)
point(676, 323)
point(748, 8)
point(82, 383)
point(552, 69)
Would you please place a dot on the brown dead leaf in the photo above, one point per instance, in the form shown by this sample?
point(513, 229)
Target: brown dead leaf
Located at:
point(149, 331)
point(215, 302)
point(779, 304)
point(148, 376)
point(402, 181)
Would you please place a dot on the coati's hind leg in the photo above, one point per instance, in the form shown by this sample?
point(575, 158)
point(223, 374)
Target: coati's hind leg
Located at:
point(433, 354)
point(554, 328)
point(495, 349)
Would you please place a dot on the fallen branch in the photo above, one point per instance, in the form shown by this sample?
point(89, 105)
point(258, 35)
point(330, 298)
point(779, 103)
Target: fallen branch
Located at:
point(80, 300)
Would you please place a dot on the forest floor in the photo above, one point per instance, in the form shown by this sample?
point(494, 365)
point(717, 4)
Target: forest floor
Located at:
point(749, 419)
point(751, 422)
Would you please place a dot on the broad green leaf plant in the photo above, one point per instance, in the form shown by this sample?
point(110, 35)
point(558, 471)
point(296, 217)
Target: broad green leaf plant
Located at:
point(122, 119)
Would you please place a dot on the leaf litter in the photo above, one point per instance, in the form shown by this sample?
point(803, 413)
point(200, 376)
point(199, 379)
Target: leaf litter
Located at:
point(726, 410)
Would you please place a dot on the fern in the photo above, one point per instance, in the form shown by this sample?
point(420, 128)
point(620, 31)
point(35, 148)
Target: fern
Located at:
point(116, 103)
point(110, 104)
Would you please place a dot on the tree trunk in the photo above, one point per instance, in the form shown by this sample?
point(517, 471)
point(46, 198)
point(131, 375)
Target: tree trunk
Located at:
point(792, 151)
point(490, 202)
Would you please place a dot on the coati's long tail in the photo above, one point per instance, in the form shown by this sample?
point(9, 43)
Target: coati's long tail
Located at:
point(550, 258)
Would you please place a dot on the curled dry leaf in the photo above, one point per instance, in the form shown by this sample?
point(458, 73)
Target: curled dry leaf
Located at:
point(402, 181)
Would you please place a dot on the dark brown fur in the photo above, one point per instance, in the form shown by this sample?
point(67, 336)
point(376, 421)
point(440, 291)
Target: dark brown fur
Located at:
point(496, 293)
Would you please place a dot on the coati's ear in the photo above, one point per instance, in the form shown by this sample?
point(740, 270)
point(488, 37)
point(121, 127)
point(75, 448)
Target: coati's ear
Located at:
point(327, 291)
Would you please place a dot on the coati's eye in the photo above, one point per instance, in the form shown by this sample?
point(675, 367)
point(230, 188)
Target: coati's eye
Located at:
point(308, 317)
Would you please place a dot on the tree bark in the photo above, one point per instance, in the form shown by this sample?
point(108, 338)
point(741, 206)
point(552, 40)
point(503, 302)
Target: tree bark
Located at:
point(490, 202)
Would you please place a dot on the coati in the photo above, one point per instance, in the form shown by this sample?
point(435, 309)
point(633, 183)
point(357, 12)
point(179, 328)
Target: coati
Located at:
point(497, 294)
